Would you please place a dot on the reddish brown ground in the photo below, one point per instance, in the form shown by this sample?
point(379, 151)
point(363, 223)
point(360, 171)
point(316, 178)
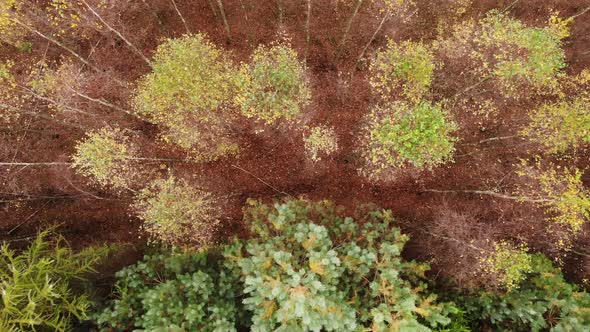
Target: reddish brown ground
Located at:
point(277, 157)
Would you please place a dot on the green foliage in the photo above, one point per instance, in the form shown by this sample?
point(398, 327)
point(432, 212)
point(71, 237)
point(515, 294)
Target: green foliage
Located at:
point(320, 141)
point(400, 134)
point(513, 54)
point(36, 285)
point(176, 213)
point(544, 300)
point(308, 269)
point(407, 67)
point(561, 126)
point(172, 291)
point(560, 190)
point(106, 156)
point(273, 86)
point(186, 92)
point(509, 263)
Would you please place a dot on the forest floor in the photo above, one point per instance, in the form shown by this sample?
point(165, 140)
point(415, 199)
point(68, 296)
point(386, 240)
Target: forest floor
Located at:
point(272, 164)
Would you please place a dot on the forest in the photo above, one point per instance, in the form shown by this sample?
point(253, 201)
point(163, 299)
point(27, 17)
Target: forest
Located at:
point(295, 165)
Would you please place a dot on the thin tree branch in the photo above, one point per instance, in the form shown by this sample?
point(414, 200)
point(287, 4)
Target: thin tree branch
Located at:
point(180, 15)
point(135, 49)
point(262, 181)
point(491, 193)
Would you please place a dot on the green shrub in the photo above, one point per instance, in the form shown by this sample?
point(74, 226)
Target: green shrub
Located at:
point(560, 126)
point(407, 67)
point(543, 300)
point(106, 156)
point(308, 269)
point(273, 86)
point(187, 93)
point(36, 285)
point(399, 134)
point(174, 212)
point(172, 291)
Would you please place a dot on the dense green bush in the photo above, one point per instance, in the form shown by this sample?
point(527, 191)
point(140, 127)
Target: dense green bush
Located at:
point(172, 291)
point(187, 93)
point(36, 284)
point(308, 269)
point(399, 134)
point(273, 86)
point(543, 300)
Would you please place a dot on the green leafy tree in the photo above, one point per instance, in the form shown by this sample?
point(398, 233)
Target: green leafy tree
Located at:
point(187, 93)
point(505, 50)
point(399, 134)
point(174, 291)
point(407, 67)
point(106, 157)
point(273, 86)
point(560, 126)
point(176, 213)
point(308, 269)
point(37, 284)
point(543, 301)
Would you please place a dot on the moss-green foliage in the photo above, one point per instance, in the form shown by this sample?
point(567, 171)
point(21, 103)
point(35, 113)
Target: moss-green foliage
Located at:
point(36, 285)
point(509, 263)
point(405, 67)
point(562, 191)
point(186, 92)
point(309, 269)
point(544, 300)
point(561, 126)
point(273, 86)
point(176, 213)
point(320, 141)
point(510, 52)
point(105, 156)
point(171, 291)
point(400, 134)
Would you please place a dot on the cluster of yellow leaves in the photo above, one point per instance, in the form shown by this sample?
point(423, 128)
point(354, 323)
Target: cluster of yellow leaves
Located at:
point(509, 263)
point(560, 190)
point(321, 140)
point(560, 126)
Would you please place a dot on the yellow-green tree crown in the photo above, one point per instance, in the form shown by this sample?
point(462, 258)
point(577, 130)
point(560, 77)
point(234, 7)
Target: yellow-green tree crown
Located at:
point(187, 93)
point(175, 213)
point(510, 52)
point(405, 67)
point(508, 263)
point(106, 156)
point(560, 190)
point(273, 86)
point(561, 126)
point(399, 134)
